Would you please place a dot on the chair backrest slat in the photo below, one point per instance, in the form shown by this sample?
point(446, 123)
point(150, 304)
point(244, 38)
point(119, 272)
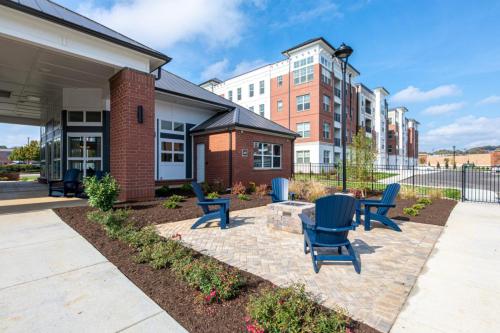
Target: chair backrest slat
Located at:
point(198, 191)
point(71, 175)
point(334, 211)
point(389, 197)
point(280, 189)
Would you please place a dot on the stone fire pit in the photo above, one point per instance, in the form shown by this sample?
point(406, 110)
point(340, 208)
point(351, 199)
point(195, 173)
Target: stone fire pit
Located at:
point(285, 215)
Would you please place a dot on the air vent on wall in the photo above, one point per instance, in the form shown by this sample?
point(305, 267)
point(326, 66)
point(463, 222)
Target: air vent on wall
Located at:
point(5, 93)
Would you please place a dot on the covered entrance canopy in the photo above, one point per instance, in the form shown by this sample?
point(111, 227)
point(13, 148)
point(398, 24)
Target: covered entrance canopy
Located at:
point(55, 72)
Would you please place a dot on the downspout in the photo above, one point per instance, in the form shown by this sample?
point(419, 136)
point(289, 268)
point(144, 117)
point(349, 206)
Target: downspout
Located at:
point(158, 77)
point(289, 87)
point(230, 164)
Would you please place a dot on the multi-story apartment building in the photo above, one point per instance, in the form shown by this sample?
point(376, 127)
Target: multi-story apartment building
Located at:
point(402, 138)
point(303, 92)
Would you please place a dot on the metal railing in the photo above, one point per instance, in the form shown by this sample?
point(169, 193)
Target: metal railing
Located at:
point(467, 183)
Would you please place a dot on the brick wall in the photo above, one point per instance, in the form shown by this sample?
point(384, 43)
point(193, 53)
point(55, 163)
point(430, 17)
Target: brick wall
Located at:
point(132, 144)
point(217, 157)
point(489, 159)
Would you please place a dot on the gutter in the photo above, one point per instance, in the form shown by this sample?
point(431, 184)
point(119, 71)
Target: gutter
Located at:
point(54, 19)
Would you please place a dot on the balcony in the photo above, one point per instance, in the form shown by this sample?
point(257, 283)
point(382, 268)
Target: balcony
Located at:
point(336, 142)
point(368, 129)
point(368, 110)
point(337, 117)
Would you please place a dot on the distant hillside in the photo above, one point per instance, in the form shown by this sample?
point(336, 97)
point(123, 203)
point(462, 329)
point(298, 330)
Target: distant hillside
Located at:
point(475, 150)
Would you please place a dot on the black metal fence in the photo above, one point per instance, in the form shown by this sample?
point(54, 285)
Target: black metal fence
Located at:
point(466, 183)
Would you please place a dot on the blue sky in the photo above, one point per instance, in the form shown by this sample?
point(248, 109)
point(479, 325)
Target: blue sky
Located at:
point(438, 58)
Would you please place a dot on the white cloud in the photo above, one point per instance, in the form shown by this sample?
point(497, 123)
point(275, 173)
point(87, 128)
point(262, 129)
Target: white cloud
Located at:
point(163, 23)
point(413, 94)
point(469, 131)
point(490, 100)
point(17, 135)
point(443, 108)
point(222, 70)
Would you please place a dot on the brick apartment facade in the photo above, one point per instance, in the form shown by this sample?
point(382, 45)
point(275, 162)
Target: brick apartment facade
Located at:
point(309, 72)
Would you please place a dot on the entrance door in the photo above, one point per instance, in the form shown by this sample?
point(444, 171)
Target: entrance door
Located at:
point(200, 162)
point(85, 152)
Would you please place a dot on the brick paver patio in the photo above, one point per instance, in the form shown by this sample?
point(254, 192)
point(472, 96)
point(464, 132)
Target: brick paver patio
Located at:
point(390, 261)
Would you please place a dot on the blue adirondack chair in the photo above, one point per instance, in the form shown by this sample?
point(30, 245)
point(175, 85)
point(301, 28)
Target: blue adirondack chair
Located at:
point(279, 191)
point(221, 213)
point(334, 219)
point(69, 184)
point(383, 206)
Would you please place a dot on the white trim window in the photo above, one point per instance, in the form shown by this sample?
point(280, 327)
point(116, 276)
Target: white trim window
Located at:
point(85, 152)
point(261, 110)
point(84, 118)
point(325, 62)
point(303, 102)
point(230, 95)
point(303, 157)
point(326, 156)
point(172, 151)
point(327, 102)
point(266, 155)
point(279, 80)
point(238, 94)
point(304, 129)
point(303, 70)
point(280, 105)
point(326, 130)
point(171, 126)
point(326, 76)
point(261, 87)
point(250, 90)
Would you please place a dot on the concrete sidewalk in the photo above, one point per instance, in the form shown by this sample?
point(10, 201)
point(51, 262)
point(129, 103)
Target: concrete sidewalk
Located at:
point(53, 280)
point(459, 288)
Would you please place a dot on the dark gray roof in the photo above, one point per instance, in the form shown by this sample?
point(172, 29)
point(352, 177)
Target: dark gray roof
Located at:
point(56, 13)
point(234, 115)
point(241, 117)
point(309, 41)
point(173, 84)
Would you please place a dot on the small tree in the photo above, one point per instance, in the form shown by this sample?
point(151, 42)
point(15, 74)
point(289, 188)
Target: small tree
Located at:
point(446, 163)
point(454, 165)
point(363, 154)
point(102, 193)
point(27, 153)
point(438, 165)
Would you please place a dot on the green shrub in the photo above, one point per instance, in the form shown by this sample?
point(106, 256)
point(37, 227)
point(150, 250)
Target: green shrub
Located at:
point(140, 238)
point(418, 206)
point(212, 278)
point(451, 193)
point(113, 222)
point(176, 198)
point(424, 201)
point(186, 187)
point(213, 195)
point(169, 204)
point(162, 191)
point(102, 193)
point(292, 309)
point(252, 187)
point(243, 197)
point(410, 211)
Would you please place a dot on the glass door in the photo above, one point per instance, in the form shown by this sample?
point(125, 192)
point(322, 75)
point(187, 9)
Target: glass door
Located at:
point(85, 153)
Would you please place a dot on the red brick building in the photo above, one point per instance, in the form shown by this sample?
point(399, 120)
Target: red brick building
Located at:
point(104, 103)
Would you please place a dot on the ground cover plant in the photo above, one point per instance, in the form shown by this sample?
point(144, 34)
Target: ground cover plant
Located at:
point(292, 309)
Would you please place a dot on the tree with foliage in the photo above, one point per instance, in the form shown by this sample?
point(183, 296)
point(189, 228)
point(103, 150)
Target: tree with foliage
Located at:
point(362, 159)
point(3, 147)
point(446, 163)
point(26, 153)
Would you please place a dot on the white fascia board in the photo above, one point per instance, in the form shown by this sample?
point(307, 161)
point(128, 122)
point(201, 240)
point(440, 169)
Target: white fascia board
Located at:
point(40, 32)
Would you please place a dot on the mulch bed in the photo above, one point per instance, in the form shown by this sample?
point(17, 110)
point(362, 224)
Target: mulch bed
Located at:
point(171, 294)
point(436, 213)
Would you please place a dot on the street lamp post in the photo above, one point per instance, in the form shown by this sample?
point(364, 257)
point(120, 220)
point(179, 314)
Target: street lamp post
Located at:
point(342, 54)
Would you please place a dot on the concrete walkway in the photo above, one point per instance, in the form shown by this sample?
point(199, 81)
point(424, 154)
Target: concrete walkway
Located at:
point(53, 280)
point(459, 288)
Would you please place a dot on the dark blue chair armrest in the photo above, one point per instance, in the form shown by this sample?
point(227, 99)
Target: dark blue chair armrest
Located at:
point(368, 201)
point(213, 203)
point(334, 230)
point(379, 204)
point(307, 222)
